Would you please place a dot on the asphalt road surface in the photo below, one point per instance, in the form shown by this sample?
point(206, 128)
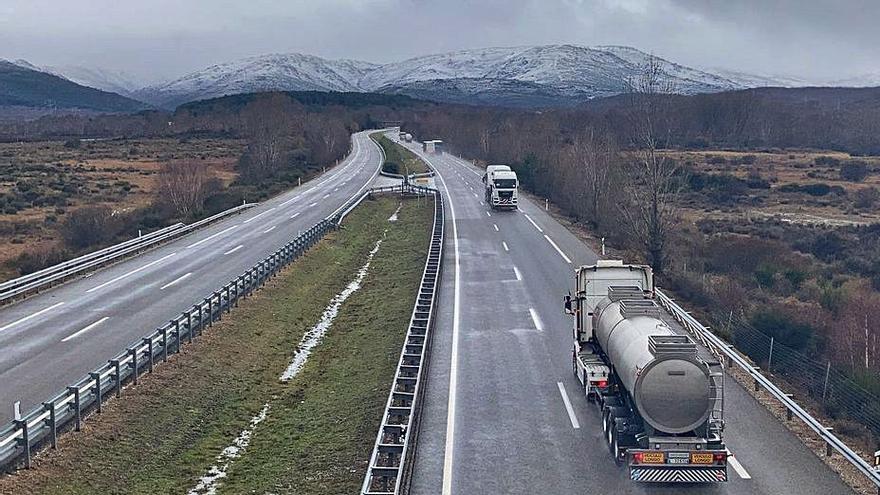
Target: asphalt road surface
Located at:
point(52, 339)
point(495, 416)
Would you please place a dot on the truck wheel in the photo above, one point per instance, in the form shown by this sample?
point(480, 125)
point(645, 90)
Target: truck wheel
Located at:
point(590, 397)
point(614, 445)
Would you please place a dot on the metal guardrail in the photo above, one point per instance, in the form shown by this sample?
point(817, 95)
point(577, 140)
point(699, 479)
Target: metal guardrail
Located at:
point(722, 348)
point(47, 276)
point(40, 427)
point(390, 466)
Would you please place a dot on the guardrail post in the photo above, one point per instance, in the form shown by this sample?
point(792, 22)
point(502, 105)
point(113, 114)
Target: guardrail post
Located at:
point(25, 441)
point(53, 425)
point(228, 298)
point(164, 344)
point(828, 450)
point(219, 296)
point(77, 409)
point(115, 364)
point(97, 377)
point(149, 342)
point(134, 364)
point(788, 413)
point(211, 311)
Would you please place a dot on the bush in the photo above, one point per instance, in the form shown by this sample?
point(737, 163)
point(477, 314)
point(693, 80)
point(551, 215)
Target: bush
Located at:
point(747, 159)
point(90, 226)
point(866, 197)
point(37, 259)
point(72, 144)
point(826, 161)
point(854, 171)
point(779, 325)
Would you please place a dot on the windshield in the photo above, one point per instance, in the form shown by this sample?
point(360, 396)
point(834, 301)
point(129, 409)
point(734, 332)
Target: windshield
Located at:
point(505, 183)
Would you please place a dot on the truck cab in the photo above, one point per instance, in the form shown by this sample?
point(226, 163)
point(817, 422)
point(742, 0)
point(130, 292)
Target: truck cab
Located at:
point(501, 189)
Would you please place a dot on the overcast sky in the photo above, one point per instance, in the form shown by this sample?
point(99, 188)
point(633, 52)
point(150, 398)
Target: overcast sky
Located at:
point(161, 39)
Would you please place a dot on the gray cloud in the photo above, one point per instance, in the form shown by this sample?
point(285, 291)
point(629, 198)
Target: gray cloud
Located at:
point(818, 39)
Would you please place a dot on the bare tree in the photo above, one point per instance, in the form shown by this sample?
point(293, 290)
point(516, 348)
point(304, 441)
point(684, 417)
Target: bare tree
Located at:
point(649, 176)
point(593, 158)
point(184, 185)
point(268, 123)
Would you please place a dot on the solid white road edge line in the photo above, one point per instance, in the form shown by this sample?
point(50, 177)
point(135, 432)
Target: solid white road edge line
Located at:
point(734, 463)
point(536, 319)
point(557, 249)
point(533, 223)
point(453, 361)
point(26, 318)
point(117, 279)
point(568, 408)
point(177, 280)
point(206, 239)
point(86, 329)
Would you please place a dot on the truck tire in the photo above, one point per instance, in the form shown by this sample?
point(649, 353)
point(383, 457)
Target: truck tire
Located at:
point(614, 444)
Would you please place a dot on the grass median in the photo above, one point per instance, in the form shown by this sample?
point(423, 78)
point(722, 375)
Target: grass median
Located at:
point(399, 160)
point(165, 433)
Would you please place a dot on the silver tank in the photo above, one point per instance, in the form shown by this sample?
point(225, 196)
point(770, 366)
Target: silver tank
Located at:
point(670, 387)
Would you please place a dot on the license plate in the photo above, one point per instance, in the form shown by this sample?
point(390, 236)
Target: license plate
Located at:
point(652, 457)
point(702, 458)
point(678, 461)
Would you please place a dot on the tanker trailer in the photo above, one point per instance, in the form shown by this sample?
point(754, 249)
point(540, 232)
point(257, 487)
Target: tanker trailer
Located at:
point(661, 400)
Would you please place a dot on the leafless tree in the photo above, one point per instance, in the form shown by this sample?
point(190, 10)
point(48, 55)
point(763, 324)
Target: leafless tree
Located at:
point(184, 185)
point(649, 176)
point(268, 122)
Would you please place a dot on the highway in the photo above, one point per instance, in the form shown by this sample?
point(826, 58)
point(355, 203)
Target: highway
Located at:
point(52, 339)
point(503, 412)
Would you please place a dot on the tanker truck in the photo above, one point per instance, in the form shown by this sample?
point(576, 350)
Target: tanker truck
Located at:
point(661, 397)
point(501, 184)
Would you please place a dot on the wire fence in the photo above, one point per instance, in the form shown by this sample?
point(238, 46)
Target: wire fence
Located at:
point(828, 385)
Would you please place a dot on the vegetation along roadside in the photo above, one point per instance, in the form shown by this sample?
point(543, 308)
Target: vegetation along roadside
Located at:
point(168, 432)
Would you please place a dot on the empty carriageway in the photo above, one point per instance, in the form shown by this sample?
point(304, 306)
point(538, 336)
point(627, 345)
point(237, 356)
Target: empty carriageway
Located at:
point(52, 339)
point(503, 412)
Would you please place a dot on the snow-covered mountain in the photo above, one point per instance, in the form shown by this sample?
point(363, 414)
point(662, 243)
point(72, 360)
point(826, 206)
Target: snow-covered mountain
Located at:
point(861, 81)
point(284, 72)
point(528, 75)
point(94, 77)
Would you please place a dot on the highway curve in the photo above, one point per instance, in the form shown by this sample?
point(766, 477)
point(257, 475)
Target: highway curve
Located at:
point(501, 363)
point(52, 339)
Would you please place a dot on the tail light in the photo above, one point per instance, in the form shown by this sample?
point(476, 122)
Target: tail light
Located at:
point(602, 383)
point(720, 457)
point(637, 457)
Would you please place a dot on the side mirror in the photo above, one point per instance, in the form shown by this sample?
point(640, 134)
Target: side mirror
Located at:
point(567, 300)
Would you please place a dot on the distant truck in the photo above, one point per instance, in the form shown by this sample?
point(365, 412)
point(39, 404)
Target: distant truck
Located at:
point(500, 186)
point(433, 146)
point(408, 137)
point(661, 398)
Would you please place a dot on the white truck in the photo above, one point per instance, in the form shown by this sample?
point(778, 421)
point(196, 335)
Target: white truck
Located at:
point(661, 396)
point(500, 186)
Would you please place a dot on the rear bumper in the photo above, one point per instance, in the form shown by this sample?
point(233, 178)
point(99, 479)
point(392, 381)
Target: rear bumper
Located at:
point(654, 474)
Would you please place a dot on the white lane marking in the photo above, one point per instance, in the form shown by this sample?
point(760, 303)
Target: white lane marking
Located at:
point(496, 227)
point(117, 279)
point(453, 360)
point(533, 223)
point(291, 200)
point(174, 282)
point(517, 273)
point(568, 408)
point(206, 239)
point(313, 205)
point(326, 196)
point(557, 249)
point(26, 318)
point(295, 215)
point(734, 463)
point(84, 330)
point(236, 248)
point(258, 215)
point(270, 229)
point(482, 204)
point(476, 195)
point(505, 246)
point(488, 214)
point(536, 319)
point(335, 189)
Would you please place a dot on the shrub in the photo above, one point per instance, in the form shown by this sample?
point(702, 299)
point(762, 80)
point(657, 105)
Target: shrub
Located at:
point(72, 144)
point(779, 325)
point(826, 161)
point(866, 197)
point(747, 159)
point(37, 259)
point(854, 171)
point(89, 226)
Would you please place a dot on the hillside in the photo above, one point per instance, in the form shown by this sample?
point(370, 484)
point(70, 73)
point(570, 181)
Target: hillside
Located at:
point(24, 87)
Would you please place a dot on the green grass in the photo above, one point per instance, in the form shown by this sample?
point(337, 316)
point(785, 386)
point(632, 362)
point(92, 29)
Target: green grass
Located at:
point(399, 160)
point(164, 433)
